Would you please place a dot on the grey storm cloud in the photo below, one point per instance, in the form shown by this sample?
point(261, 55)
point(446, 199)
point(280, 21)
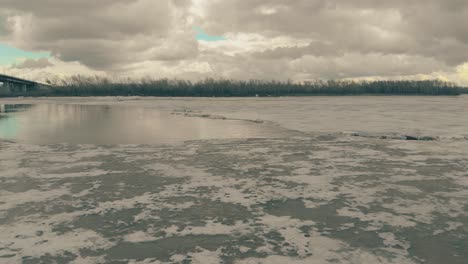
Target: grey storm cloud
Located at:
point(102, 34)
point(343, 38)
point(430, 28)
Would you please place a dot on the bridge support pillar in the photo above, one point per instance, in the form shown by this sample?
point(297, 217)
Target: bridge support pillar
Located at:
point(7, 87)
point(12, 86)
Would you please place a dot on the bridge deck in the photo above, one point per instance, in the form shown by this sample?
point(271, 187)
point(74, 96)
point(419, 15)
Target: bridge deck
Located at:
point(15, 80)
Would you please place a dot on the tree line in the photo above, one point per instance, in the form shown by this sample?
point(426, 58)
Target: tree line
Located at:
point(98, 86)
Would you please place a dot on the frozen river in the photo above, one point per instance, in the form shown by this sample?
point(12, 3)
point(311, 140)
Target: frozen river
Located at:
point(257, 180)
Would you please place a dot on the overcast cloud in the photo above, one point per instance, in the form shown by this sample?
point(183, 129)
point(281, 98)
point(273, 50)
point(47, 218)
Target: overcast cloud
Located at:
point(275, 39)
point(33, 64)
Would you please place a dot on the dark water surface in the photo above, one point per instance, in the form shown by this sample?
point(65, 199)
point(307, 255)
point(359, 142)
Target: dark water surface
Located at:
point(84, 124)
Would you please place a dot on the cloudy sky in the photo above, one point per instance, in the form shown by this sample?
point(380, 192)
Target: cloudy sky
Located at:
point(239, 39)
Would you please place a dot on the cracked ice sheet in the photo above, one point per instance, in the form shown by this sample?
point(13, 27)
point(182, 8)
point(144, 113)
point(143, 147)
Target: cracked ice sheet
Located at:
point(301, 200)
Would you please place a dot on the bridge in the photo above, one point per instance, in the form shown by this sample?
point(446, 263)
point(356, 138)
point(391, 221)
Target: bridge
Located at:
point(10, 85)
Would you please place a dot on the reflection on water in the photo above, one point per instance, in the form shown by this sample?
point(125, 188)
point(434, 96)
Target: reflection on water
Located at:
point(82, 124)
point(14, 108)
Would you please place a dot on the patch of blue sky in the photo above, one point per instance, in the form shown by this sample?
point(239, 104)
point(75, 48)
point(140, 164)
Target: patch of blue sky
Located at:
point(10, 55)
point(202, 35)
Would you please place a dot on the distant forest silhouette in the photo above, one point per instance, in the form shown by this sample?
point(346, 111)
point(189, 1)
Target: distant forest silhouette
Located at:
point(98, 86)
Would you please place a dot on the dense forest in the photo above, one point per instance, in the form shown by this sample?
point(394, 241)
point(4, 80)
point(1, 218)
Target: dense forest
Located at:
point(463, 90)
point(96, 86)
